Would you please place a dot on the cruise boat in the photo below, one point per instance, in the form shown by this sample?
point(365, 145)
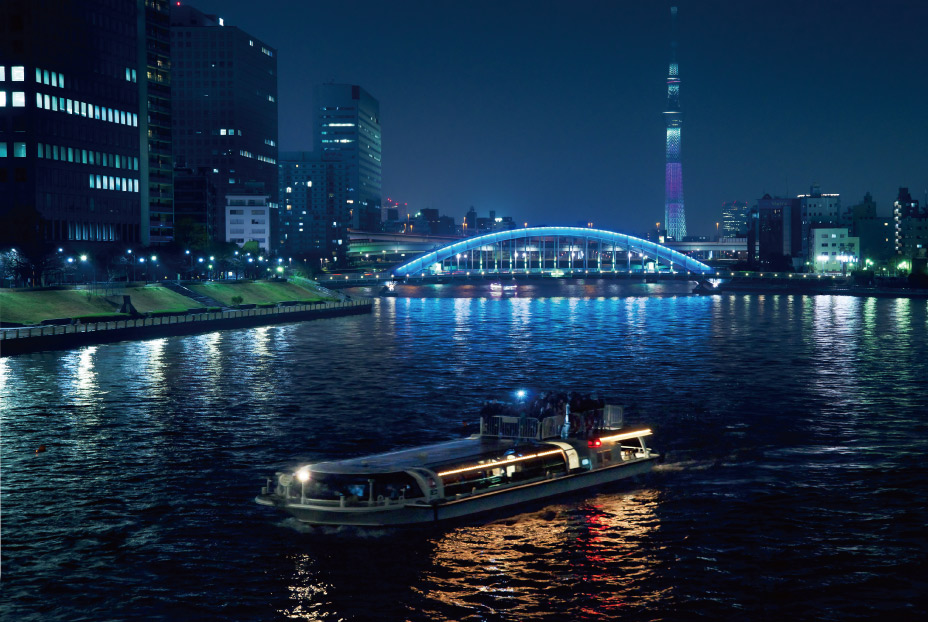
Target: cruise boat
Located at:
point(497, 287)
point(511, 460)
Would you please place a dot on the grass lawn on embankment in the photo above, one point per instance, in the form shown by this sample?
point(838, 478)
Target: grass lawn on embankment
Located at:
point(256, 292)
point(32, 307)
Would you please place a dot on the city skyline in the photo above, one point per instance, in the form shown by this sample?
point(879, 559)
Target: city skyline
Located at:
point(545, 112)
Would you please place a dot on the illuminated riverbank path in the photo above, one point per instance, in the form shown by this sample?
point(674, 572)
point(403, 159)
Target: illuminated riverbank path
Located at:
point(547, 249)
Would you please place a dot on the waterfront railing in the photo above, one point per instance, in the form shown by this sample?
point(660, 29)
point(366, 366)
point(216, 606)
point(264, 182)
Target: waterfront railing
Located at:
point(141, 322)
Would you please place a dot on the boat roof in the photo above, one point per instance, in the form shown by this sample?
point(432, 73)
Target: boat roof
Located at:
point(427, 456)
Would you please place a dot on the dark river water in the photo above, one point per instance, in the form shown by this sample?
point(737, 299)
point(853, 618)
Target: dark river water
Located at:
point(794, 486)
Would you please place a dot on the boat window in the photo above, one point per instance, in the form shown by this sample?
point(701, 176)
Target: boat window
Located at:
point(328, 486)
point(396, 486)
point(512, 467)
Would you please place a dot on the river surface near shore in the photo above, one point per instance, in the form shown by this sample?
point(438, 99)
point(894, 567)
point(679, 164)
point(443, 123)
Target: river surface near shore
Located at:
point(794, 484)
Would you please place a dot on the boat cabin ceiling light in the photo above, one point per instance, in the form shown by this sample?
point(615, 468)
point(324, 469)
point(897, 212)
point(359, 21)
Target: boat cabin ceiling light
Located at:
point(627, 435)
point(491, 465)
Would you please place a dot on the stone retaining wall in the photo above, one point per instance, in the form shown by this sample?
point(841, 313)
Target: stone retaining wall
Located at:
point(39, 338)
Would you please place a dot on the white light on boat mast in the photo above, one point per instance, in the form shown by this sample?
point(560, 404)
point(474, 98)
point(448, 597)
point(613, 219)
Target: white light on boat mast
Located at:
point(626, 436)
point(491, 465)
point(303, 474)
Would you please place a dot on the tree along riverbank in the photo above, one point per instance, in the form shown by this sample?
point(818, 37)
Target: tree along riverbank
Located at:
point(42, 338)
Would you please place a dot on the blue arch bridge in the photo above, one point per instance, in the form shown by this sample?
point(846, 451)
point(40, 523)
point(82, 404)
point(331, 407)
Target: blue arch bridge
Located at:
point(558, 251)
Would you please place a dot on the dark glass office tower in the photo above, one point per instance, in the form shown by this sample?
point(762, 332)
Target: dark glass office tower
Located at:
point(156, 89)
point(347, 129)
point(315, 208)
point(224, 104)
point(71, 135)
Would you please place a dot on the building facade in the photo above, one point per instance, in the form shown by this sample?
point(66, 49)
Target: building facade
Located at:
point(910, 226)
point(156, 98)
point(248, 218)
point(347, 130)
point(834, 249)
point(734, 221)
point(819, 209)
point(316, 208)
point(73, 130)
point(224, 102)
point(674, 213)
point(779, 233)
point(195, 207)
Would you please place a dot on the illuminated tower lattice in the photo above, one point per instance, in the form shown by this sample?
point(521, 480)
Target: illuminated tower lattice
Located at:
point(674, 215)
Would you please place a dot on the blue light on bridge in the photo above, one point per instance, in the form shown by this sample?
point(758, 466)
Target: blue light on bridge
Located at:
point(627, 243)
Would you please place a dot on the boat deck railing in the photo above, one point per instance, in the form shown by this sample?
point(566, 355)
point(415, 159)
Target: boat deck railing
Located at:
point(609, 417)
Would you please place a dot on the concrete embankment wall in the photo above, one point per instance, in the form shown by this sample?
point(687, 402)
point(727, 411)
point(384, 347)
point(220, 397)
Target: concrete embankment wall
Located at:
point(40, 338)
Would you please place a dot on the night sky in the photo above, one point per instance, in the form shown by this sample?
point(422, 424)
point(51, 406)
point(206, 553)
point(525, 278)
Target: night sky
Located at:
point(551, 112)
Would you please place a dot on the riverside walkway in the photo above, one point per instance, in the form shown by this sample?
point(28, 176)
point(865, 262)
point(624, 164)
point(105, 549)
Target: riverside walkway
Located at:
point(15, 341)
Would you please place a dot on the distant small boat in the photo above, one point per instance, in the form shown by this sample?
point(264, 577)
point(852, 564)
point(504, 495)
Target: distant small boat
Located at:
point(705, 287)
point(496, 286)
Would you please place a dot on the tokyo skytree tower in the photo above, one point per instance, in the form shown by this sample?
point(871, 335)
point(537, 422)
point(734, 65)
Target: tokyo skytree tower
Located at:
point(674, 215)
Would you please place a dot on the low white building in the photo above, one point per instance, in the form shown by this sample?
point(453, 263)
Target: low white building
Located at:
point(834, 250)
point(248, 219)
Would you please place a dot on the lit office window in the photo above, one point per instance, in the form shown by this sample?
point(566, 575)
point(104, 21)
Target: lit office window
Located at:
point(2, 73)
point(54, 79)
point(18, 74)
point(2, 99)
point(19, 99)
point(48, 103)
point(91, 180)
point(19, 150)
point(39, 149)
point(61, 80)
point(45, 79)
point(2, 150)
point(38, 75)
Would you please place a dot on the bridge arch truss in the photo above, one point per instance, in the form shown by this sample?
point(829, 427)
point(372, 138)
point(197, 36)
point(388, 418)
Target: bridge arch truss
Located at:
point(550, 248)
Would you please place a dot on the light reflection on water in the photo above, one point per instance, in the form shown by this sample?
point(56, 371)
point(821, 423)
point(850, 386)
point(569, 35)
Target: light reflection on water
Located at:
point(793, 427)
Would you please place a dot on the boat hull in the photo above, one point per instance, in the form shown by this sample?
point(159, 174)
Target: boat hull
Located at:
point(413, 513)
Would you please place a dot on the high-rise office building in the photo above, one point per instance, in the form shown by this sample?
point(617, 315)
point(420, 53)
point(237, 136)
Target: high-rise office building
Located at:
point(820, 209)
point(74, 145)
point(910, 226)
point(674, 214)
point(156, 99)
point(734, 219)
point(224, 104)
point(347, 129)
point(779, 232)
point(315, 208)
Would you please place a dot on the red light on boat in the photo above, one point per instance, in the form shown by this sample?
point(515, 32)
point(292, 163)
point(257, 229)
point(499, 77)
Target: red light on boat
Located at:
point(594, 443)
